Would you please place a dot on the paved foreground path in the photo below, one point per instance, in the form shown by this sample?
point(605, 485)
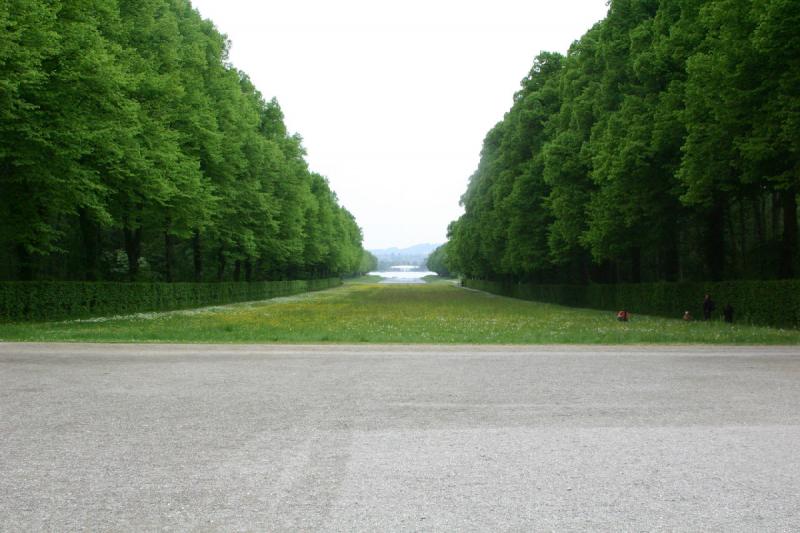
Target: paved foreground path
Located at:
point(176, 437)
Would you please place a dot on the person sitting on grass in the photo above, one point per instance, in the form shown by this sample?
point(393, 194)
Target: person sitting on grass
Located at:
point(687, 316)
point(622, 316)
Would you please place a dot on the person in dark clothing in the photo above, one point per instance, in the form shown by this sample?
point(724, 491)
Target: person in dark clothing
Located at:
point(708, 307)
point(727, 312)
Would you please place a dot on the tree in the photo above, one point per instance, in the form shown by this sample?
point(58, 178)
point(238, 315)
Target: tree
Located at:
point(437, 261)
point(664, 146)
point(127, 137)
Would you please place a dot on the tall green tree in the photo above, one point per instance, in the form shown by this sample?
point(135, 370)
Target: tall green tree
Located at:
point(130, 148)
point(662, 147)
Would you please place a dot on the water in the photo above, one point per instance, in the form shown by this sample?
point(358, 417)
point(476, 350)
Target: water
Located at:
point(402, 277)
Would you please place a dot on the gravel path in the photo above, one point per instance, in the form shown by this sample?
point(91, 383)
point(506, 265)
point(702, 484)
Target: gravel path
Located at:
point(466, 438)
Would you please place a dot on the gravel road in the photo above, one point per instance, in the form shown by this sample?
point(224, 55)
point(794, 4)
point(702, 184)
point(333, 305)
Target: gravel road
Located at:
point(425, 438)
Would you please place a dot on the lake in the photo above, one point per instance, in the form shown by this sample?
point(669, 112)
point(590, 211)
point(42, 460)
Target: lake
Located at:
point(402, 277)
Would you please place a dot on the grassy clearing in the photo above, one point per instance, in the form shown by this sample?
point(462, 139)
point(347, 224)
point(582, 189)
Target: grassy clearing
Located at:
point(362, 279)
point(439, 279)
point(364, 312)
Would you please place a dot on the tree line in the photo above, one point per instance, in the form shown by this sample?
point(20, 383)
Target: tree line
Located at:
point(664, 146)
point(131, 149)
point(438, 262)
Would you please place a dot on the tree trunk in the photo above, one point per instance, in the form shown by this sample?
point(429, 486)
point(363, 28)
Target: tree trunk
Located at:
point(743, 239)
point(636, 264)
point(197, 252)
point(789, 242)
point(169, 255)
point(259, 268)
point(90, 239)
point(237, 270)
point(774, 215)
point(24, 263)
point(248, 271)
point(758, 217)
point(670, 257)
point(220, 264)
point(583, 271)
point(735, 265)
point(133, 247)
point(759, 236)
point(715, 240)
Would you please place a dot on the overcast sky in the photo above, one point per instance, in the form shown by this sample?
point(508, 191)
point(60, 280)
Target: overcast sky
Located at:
point(393, 99)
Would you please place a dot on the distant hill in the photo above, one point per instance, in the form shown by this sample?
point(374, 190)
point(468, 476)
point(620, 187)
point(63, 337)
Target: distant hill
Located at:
point(412, 255)
point(424, 249)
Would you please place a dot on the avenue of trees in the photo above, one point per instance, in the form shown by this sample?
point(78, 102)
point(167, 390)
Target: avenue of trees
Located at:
point(437, 261)
point(130, 149)
point(664, 146)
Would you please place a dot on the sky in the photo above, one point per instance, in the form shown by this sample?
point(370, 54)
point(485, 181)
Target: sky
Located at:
point(393, 99)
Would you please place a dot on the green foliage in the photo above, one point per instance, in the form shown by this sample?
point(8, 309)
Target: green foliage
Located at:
point(369, 263)
point(663, 147)
point(769, 303)
point(437, 262)
point(125, 129)
point(54, 300)
point(363, 279)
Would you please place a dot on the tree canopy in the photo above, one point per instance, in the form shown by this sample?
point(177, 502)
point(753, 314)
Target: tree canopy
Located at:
point(665, 145)
point(131, 149)
point(437, 261)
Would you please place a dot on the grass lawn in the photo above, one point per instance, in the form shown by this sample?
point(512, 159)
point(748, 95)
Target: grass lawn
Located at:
point(368, 312)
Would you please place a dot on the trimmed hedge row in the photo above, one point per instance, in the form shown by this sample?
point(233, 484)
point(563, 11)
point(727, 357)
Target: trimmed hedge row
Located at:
point(48, 300)
point(768, 303)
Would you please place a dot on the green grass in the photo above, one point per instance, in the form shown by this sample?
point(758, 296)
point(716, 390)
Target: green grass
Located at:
point(438, 279)
point(362, 279)
point(364, 312)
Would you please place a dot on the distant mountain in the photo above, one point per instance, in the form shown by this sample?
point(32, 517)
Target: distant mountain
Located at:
point(412, 255)
point(417, 249)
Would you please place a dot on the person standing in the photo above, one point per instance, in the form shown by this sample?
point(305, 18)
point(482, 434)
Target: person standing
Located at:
point(727, 312)
point(708, 307)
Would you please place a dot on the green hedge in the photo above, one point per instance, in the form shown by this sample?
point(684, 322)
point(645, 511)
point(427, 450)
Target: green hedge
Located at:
point(768, 303)
point(48, 300)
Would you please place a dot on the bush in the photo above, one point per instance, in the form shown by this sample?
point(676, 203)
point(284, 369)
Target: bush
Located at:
point(48, 300)
point(768, 303)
